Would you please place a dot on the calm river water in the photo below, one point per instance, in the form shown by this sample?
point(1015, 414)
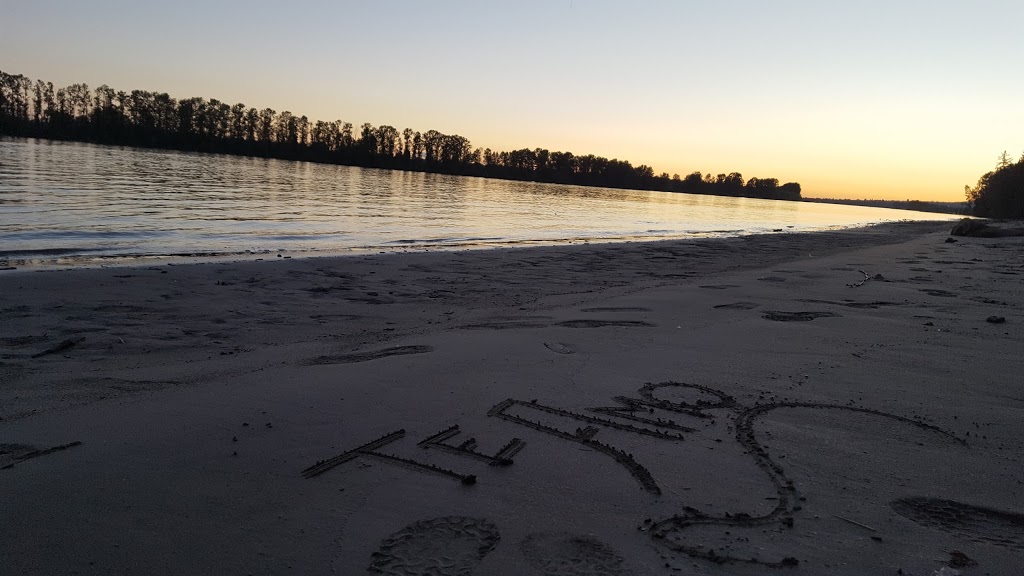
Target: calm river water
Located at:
point(63, 202)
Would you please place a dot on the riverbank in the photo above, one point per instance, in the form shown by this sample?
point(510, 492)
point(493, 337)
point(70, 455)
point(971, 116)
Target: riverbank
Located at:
point(725, 371)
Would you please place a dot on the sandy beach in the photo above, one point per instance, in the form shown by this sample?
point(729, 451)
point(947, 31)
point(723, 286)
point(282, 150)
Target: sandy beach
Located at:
point(843, 402)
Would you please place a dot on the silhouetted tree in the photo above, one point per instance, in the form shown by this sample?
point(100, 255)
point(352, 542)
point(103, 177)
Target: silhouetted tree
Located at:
point(407, 144)
point(999, 193)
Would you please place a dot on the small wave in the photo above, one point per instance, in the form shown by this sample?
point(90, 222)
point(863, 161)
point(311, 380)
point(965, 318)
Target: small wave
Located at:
point(33, 235)
point(445, 241)
point(297, 237)
point(48, 252)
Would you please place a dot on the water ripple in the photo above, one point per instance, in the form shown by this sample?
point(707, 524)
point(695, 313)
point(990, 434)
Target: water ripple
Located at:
point(75, 200)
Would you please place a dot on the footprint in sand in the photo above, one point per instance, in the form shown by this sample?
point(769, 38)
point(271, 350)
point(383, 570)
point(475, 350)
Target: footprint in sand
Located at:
point(564, 554)
point(559, 348)
point(367, 356)
point(447, 546)
point(975, 523)
point(938, 292)
point(603, 323)
point(738, 306)
point(850, 303)
point(778, 316)
point(507, 324)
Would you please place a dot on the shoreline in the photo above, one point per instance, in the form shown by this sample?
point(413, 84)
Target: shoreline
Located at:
point(82, 262)
point(788, 410)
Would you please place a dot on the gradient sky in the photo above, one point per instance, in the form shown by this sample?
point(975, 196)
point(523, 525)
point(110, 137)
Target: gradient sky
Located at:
point(856, 99)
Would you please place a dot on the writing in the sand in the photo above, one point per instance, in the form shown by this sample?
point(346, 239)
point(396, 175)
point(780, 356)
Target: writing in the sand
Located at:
point(622, 417)
point(637, 415)
point(439, 441)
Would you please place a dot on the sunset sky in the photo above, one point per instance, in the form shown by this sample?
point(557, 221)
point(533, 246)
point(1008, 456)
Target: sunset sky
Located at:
point(865, 100)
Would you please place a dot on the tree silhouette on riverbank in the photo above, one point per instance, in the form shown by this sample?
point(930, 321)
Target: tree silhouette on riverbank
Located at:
point(156, 120)
point(999, 193)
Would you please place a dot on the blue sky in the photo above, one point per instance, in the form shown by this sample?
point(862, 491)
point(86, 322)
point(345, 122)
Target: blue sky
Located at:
point(868, 99)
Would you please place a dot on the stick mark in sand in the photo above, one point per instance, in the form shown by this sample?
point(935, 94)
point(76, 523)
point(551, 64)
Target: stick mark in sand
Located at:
point(11, 454)
point(370, 450)
point(583, 436)
point(502, 458)
point(65, 345)
point(566, 554)
point(867, 277)
point(669, 532)
point(324, 465)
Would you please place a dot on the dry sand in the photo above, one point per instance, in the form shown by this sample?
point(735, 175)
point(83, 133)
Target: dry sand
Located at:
point(743, 406)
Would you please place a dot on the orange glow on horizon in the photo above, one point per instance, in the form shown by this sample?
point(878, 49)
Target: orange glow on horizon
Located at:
point(793, 91)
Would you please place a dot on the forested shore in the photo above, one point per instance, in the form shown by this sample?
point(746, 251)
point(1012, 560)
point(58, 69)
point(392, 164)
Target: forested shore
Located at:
point(999, 193)
point(35, 108)
point(915, 205)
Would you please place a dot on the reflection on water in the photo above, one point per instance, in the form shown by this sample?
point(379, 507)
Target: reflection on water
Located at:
point(79, 202)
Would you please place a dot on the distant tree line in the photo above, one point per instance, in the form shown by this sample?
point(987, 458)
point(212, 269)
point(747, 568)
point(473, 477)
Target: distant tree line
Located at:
point(999, 193)
point(916, 205)
point(156, 120)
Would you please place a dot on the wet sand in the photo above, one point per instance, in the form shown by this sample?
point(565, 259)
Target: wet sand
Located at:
point(833, 402)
